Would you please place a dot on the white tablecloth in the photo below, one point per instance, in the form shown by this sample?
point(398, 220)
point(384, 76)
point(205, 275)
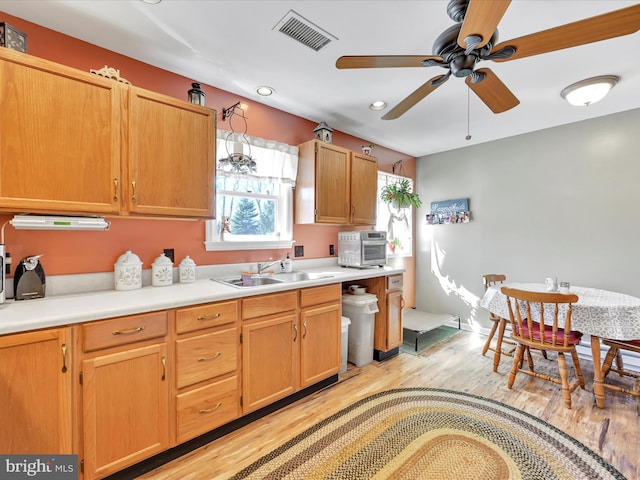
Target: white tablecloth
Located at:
point(598, 312)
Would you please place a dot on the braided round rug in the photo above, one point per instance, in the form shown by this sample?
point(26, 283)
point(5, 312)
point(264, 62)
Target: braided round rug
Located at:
point(425, 433)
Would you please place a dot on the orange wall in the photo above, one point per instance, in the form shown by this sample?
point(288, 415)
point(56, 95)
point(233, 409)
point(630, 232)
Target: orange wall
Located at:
point(82, 252)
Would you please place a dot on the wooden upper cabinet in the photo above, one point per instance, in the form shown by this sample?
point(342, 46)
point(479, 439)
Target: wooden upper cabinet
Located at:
point(335, 185)
point(76, 142)
point(60, 137)
point(364, 189)
point(171, 156)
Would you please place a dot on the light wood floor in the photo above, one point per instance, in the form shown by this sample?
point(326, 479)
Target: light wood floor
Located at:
point(455, 364)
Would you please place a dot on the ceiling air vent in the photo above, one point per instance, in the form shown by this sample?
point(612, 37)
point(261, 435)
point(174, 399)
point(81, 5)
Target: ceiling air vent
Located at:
point(302, 30)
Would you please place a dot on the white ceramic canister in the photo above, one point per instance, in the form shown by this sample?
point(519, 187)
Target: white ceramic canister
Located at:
point(161, 271)
point(187, 269)
point(128, 271)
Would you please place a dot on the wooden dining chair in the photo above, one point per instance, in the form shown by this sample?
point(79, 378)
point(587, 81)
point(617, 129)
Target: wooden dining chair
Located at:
point(554, 334)
point(499, 325)
point(614, 354)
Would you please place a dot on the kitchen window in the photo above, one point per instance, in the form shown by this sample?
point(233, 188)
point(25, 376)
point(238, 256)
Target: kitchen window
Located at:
point(254, 194)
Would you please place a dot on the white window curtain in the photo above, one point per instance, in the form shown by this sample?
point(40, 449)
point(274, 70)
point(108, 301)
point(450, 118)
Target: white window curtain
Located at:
point(275, 161)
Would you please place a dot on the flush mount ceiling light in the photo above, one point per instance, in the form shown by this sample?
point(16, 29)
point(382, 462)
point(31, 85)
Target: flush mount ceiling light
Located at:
point(265, 91)
point(591, 90)
point(378, 105)
point(151, 2)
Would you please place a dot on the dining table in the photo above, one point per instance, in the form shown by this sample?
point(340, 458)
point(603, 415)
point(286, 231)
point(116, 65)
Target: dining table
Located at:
point(598, 313)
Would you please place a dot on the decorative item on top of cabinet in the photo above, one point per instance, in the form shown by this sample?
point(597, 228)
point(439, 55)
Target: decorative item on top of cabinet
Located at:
point(196, 95)
point(11, 37)
point(111, 73)
point(335, 185)
point(323, 132)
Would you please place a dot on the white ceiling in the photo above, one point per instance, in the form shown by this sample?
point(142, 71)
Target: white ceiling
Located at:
point(233, 45)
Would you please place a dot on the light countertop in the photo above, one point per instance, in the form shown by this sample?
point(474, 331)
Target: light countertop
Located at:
point(59, 310)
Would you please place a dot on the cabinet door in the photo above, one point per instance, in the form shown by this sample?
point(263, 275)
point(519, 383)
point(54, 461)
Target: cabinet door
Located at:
point(269, 359)
point(364, 189)
point(125, 408)
point(171, 156)
point(394, 319)
point(333, 179)
point(35, 392)
point(320, 329)
point(60, 142)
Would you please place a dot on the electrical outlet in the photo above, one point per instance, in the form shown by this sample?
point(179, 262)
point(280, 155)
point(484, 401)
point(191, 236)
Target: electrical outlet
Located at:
point(332, 250)
point(169, 253)
point(299, 251)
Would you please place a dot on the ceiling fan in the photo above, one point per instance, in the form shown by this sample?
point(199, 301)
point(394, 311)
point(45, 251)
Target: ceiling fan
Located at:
point(474, 38)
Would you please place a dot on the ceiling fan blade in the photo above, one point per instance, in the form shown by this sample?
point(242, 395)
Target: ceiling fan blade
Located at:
point(482, 19)
point(595, 29)
point(492, 91)
point(415, 97)
point(384, 61)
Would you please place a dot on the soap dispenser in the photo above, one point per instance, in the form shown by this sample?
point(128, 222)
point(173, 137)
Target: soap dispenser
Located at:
point(287, 264)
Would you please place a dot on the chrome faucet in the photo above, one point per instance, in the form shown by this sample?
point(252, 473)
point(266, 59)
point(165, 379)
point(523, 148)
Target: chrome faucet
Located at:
point(262, 266)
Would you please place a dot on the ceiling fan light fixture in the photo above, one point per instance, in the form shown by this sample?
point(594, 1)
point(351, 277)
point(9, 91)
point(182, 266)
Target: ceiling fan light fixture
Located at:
point(265, 91)
point(378, 105)
point(588, 91)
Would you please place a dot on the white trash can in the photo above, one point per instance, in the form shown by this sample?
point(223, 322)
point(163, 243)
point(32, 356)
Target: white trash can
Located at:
point(345, 343)
point(360, 309)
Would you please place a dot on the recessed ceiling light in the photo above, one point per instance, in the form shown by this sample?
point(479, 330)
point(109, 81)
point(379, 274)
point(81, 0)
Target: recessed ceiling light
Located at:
point(265, 91)
point(591, 90)
point(378, 105)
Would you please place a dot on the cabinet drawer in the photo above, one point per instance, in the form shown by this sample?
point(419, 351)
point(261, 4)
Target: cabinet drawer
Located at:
point(206, 408)
point(317, 295)
point(205, 316)
point(206, 356)
point(264, 305)
point(123, 330)
point(394, 282)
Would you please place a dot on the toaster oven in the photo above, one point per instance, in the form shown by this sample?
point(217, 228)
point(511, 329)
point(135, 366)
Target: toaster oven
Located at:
point(362, 248)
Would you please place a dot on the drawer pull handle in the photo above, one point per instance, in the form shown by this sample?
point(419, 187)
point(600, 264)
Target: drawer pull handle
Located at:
point(115, 190)
point(209, 410)
point(125, 332)
point(304, 335)
point(210, 317)
point(206, 359)
point(164, 368)
point(64, 358)
point(134, 199)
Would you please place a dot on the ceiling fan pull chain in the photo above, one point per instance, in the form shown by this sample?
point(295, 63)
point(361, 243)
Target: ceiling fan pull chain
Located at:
point(468, 137)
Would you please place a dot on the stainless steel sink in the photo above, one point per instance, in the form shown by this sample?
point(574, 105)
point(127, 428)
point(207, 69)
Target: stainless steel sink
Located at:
point(258, 280)
point(253, 281)
point(301, 276)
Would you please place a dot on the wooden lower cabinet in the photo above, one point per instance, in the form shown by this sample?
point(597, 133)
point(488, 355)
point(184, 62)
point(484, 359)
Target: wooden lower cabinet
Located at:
point(387, 334)
point(296, 346)
point(35, 392)
point(207, 353)
point(269, 360)
point(321, 327)
point(125, 393)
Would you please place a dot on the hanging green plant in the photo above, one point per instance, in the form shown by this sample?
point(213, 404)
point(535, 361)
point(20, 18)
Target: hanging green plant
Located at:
point(399, 195)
